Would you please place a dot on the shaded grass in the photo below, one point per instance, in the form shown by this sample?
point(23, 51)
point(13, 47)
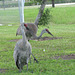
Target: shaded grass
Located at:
point(9, 16)
point(46, 65)
point(59, 15)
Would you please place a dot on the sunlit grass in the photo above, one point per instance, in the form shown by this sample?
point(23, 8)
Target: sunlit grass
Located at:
point(46, 65)
point(9, 16)
point(59, 15)
point(63, 15)
point(61, 25)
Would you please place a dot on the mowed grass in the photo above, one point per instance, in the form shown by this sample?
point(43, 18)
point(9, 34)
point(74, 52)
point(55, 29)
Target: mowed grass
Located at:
point(9, 16)
point(65, 15)
point(47, 65)
point(59, 15)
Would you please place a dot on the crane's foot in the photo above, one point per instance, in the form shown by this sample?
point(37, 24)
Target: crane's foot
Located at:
point(35, 60)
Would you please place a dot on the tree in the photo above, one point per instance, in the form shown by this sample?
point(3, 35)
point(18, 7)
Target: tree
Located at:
point(43, 3)
point(53, 3)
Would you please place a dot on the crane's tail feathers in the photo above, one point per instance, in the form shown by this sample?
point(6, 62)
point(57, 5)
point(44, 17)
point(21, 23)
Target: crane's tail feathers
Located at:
point(17, 64)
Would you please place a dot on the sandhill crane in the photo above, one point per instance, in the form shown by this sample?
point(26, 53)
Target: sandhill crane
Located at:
point(22, 51)
point(33, 30)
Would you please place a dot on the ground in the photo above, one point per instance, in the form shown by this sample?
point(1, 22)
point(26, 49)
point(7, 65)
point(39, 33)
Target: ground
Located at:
point(64, 57)
point(41, 39)
point(2, 70)
point(56, 55)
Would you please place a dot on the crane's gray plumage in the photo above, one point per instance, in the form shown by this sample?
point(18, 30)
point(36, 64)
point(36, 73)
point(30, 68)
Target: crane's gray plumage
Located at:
point(22, 51)
point(31, 30)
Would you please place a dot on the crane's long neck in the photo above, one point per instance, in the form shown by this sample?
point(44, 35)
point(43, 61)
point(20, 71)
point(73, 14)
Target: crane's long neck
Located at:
point(38, 37)
point(34, 35)
point(23, 36)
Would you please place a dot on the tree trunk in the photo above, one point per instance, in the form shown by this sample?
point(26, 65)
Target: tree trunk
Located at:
point(3, 5)
point(53, 3)
point(40, 12)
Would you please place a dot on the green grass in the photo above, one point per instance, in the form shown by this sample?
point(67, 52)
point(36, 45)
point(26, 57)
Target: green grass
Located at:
point(63, 15)
point(59, 15)
point(46, 65)
point(30, 14)
point(9, 16)
point(62, 25)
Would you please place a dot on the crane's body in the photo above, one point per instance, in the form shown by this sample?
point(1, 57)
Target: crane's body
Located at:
point(22, 51)
point(22, 54)
point(31, 30)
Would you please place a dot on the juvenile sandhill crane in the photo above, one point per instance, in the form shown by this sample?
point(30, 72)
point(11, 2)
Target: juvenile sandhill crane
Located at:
point(33, 30)
point(22, 51)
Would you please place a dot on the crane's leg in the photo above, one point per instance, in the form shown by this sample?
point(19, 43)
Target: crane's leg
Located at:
point(27, 63)
point(20, 68)
point(35, 58)
point(30, 60)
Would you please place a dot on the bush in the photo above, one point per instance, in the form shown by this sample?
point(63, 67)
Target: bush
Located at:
point(29, 3)
point(45, 18)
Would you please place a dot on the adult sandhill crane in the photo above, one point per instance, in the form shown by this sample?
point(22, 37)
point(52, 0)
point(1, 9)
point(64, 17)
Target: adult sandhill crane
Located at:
point(22, 51)
point(33, 30)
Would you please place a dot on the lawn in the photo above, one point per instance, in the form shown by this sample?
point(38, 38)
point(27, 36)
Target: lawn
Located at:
point(59, 15)
point(60, 26)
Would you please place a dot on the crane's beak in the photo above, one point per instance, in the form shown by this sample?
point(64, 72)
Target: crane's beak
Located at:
point(50, 33)
point(27, 28)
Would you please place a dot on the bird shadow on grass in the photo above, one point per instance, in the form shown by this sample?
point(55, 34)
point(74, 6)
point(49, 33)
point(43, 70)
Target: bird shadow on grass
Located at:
point(41, 39)
point(65, 57)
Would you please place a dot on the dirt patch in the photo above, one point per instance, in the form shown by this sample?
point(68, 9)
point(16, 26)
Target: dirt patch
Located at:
point(65, 57)
point(48, 38)
point(41, 39)
point(3, 70)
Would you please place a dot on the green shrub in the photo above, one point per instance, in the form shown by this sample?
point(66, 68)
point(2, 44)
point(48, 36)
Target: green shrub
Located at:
point(45, 18)
point(29, 3)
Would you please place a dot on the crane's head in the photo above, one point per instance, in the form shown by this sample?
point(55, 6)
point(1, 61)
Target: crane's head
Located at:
point(46, 31)
point(26, 26)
